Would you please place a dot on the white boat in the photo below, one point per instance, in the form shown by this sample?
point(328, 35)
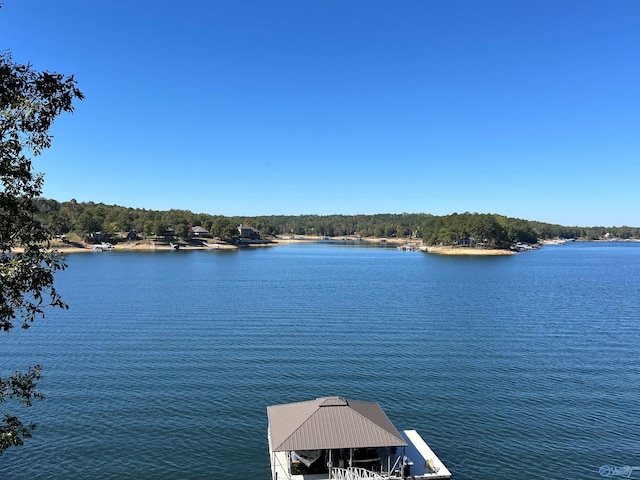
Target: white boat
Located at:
point(103, 247)
point(409, 247)
point(332, 438)
point(525, 247)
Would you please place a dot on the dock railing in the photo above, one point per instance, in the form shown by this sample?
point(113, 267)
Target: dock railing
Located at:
point(355, 473)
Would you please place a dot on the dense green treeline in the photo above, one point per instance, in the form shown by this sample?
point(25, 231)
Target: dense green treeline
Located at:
point(457, 228)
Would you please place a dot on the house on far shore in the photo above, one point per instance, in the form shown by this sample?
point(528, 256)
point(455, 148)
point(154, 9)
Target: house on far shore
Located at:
point(248, 233)
point(132, 235)
point(199, 232)
point(169, 233)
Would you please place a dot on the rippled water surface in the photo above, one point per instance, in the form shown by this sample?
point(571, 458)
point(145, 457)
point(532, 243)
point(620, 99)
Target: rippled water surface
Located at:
point(510, 367)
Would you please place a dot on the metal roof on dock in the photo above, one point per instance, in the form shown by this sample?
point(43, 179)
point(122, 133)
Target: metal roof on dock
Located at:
point(330, 423)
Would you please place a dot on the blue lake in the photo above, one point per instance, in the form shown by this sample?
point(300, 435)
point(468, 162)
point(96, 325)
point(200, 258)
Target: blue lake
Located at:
point(515, 367)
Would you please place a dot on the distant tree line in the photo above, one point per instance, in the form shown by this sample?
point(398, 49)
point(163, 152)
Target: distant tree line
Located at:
point(458, 228)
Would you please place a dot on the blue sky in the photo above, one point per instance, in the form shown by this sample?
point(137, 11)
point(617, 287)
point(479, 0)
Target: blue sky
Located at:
point(526, 108)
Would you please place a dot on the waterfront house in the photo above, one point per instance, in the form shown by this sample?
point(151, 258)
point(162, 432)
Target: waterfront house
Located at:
point(249, 233)
point(199, 232)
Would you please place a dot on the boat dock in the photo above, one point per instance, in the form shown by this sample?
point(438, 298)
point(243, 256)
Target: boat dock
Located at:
point(333, 438)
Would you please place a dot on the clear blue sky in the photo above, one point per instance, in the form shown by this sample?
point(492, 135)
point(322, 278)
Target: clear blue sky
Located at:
point(526, 108)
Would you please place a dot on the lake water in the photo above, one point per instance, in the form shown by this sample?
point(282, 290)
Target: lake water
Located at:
point(510, 367)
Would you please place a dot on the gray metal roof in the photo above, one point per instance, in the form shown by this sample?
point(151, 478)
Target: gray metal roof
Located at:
point(330, 422)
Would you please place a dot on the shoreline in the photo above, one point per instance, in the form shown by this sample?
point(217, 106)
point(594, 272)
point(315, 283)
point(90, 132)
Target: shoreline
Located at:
point(468, 251)
point(159, 246)
point(342, 238)
point(153, 246)
point(134, 246)
point(476, 251)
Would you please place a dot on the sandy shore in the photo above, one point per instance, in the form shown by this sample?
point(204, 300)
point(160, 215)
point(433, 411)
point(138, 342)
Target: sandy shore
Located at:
point(148, 245)
point(154, 246)
point(468, 251)
point(137, 246)
point(398, 242)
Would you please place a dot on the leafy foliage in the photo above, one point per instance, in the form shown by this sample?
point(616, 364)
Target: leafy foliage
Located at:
point(22, 387)
point(224, 228)
point(29, 103)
